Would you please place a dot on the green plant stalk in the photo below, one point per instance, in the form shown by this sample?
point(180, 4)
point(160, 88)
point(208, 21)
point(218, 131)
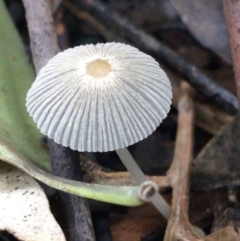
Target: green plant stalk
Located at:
point(16, 76)
point(122, 195)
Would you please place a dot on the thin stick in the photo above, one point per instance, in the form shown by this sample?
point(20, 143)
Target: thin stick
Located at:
point(43, 37)
point(65, 163)
point(232, 15)
point(86, 17)
point(204, 84)
point(180, 170)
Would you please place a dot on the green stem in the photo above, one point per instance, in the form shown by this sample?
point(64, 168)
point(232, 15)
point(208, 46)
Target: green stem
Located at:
point(122, 195)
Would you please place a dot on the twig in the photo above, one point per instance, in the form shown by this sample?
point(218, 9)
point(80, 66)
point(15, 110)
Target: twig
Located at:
point(232, 15)
point(85, 16)
point(64, 161)
point(124, 178)
point(98, 174)
point(43, 38)
point(178, 224)
point(204, 84)
point(101, 225)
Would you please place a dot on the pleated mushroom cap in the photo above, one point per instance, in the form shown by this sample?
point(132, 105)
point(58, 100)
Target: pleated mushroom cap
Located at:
point(100, 97)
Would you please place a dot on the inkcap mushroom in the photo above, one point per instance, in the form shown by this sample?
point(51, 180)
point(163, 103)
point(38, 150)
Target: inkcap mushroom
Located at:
point(99, 98)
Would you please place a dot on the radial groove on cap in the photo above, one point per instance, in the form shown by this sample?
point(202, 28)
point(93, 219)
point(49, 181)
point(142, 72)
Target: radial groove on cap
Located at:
point(106, 113)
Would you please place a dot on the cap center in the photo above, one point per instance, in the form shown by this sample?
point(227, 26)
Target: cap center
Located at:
point(98, 68)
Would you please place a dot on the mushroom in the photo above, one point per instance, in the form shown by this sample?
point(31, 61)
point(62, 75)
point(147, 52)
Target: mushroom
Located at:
point(99, 98)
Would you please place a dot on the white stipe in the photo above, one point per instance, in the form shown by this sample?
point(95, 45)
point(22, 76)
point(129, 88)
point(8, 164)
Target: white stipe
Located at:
point(157, 200)
point(89, 113)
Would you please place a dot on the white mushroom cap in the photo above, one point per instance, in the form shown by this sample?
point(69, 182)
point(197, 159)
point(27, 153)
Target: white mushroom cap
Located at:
point(99, 97)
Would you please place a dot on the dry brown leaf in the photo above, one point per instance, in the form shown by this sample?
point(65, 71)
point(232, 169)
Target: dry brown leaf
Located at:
point(136, 223)
point(217, 165)
point(24, 208)
point(225, 234)
point(205, 20)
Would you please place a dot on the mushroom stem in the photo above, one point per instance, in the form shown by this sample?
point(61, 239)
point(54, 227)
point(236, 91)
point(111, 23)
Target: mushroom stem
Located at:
point(157, 200)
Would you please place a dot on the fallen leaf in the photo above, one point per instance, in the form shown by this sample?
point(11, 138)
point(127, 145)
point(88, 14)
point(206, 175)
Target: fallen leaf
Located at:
point(205, 20)
point(217, 165)
point(136, 223)
point(24, 207)
point(226, 234)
